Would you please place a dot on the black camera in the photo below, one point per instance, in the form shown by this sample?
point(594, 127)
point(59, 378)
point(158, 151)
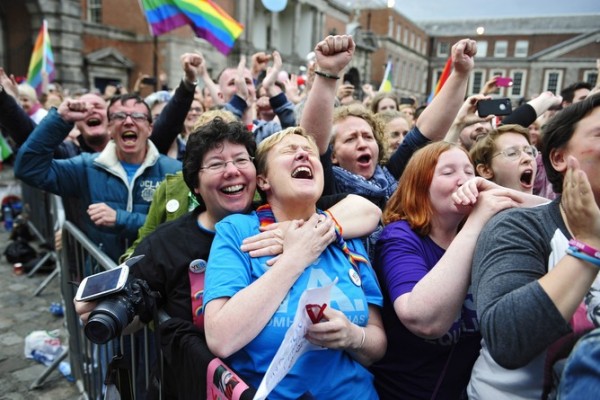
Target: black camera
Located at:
point(113, 314)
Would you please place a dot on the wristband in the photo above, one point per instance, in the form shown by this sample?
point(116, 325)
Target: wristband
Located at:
point(590, 251)
point(326, 75)
point(575, 252)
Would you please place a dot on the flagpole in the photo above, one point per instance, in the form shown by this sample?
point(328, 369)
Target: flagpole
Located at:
point(45, 28)
point(155, 62)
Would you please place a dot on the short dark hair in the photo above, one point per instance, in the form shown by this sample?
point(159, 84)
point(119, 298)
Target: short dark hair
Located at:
point(559, 131)
point(210, 136)
point(569, 92)
point(123, 98)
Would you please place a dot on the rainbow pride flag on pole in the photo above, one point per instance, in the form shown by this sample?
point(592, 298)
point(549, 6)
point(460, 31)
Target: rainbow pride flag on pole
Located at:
point(42, 60)
point(443, 77)
point(386, 83)
point(207, 19)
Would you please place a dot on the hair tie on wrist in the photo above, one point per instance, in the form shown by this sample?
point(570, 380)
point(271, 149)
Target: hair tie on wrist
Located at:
point(326, 75)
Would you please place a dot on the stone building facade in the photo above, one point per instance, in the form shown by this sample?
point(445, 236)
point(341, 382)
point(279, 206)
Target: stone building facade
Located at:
point(96, 42)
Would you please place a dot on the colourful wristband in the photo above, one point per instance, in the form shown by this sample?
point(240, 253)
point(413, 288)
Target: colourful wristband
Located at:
point(590, 251)
point(575, 252)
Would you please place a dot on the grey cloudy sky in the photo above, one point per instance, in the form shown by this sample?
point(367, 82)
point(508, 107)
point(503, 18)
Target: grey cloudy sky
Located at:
point(418, 10)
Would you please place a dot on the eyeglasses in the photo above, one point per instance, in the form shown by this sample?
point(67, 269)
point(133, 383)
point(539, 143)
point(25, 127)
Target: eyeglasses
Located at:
point(135, 116)
point(514, 153)
point(219, 166)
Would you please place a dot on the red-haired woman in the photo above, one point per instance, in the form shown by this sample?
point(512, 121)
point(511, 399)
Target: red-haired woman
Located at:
point(423, 260)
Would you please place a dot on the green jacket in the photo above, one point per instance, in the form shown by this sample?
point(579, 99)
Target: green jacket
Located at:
point(171, 200)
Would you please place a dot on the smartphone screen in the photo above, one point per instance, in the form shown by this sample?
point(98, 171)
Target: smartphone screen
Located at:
point(503, 81)
point(103, 283)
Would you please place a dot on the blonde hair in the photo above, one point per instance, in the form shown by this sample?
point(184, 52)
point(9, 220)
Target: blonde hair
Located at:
point(265, 146)
point(209, 115)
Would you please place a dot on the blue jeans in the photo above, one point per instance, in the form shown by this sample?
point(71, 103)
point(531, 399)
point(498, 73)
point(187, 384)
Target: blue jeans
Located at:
point(581, 375)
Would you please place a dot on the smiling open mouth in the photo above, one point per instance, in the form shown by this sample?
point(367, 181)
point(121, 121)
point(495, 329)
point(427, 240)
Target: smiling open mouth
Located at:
point(232, 189)
point(302, 173)
point(129, 136)
point(93, 122)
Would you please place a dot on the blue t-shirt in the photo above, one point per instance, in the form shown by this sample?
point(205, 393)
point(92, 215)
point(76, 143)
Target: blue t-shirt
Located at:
point(412, 366)
point(327, 374)
point(130, 169)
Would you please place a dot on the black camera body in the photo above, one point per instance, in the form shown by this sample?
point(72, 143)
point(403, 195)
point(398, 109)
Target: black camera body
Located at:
point(117, 310)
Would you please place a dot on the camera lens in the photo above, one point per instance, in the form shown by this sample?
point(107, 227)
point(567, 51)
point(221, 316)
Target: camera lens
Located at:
point(108, 319)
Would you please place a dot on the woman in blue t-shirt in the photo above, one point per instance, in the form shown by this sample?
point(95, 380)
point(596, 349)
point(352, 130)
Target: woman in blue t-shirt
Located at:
point(250, 302)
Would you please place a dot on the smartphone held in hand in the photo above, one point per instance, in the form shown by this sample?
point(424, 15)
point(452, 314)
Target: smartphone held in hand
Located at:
point(494, 107)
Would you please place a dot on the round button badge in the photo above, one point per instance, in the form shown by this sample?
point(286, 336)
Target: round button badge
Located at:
point(172, 205)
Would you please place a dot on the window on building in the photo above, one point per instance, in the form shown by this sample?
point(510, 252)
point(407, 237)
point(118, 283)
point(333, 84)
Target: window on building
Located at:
point(94, 11)
point(590, 77)
point(501, 48)
point(412, 40)
point(521, 48)
point(390, 26)
point(553, 80)
point(442, 49)
point(482, 46)
point(517, 88)
point(418, 44)
point(399, 33)
point(477, 81)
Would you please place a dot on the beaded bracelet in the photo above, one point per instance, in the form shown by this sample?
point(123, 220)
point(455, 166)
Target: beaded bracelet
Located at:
point(590, 251)
point(326, 75)
point(575, 252)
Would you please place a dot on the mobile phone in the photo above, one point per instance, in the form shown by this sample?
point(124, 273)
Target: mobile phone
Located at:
point(102, 284)
point(494, 106)
point(503, 81)
point(149, 80)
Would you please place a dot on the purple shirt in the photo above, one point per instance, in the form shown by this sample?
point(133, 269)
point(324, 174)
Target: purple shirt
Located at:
point(414, 367)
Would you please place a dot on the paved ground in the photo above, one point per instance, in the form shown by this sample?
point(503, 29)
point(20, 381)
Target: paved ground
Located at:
point(20, 314)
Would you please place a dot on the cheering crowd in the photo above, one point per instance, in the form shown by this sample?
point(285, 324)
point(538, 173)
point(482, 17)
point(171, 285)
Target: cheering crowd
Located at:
point(461, 249)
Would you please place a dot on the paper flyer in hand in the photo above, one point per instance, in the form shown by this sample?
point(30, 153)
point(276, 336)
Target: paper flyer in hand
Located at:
point(294, 344)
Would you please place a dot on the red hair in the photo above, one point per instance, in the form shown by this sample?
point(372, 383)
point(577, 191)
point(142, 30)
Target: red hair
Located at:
point(410, 201)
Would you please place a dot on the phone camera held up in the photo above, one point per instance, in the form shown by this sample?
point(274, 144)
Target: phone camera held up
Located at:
point(494, 107)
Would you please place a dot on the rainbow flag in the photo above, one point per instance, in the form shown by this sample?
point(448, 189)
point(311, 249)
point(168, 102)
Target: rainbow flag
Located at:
point(386, 84)
point(443, 77)
point(42, 60)
point(207, 19)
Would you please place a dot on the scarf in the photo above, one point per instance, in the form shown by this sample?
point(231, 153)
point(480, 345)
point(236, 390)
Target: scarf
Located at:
point(381, 184)
point(266, 217)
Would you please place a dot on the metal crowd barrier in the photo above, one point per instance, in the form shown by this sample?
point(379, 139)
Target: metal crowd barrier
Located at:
point(80, 257)
point(77, 258)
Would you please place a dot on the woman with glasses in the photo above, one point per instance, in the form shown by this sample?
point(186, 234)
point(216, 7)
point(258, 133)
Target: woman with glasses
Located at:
point(506, 156)
point(423, 262)
point(250, 302)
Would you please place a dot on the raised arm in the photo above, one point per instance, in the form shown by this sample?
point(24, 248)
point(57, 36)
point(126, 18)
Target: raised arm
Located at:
point(170, 122)
point(333, 55)
point(438, 116)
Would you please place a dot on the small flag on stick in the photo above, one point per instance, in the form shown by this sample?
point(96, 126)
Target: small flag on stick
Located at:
point(386, 84)
point(42, 60)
